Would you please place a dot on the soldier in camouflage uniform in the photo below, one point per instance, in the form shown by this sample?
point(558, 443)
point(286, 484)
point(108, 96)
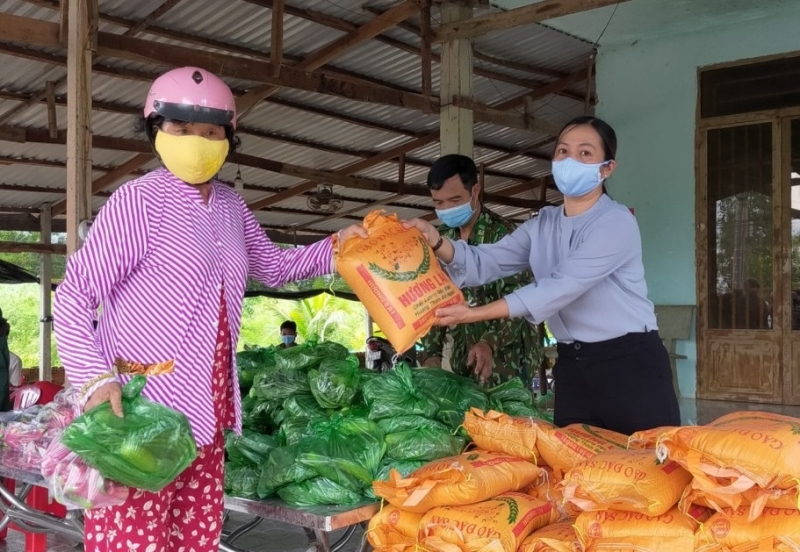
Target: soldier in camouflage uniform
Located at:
point(495, 350)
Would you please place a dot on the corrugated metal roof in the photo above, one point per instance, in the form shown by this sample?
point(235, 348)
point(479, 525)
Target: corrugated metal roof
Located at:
point(370, 127)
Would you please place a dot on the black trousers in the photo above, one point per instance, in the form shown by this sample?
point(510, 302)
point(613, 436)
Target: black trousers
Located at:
point(623, 384)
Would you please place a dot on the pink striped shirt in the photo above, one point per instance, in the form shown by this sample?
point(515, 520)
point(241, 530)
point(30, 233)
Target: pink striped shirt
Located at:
point(155, 260)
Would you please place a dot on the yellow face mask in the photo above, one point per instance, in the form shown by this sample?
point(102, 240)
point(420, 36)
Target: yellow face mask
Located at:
point(193, 159)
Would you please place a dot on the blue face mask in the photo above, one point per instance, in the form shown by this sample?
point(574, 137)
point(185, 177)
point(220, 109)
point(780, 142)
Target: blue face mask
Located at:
point(287, 339)
point(574, 178)
point(458, 216)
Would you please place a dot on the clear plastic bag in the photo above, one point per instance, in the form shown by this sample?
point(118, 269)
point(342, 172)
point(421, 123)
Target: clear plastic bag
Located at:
point(75, 484)
point(145, 449)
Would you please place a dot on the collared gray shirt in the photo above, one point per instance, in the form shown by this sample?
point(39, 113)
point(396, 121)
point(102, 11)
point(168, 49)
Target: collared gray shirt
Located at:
point(590, 282)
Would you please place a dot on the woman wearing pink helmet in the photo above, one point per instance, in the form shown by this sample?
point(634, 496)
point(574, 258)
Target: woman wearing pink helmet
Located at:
point(168, 259)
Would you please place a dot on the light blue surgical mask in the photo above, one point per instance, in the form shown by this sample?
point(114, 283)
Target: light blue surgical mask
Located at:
point(458, 216)
point(287, 339)
point(574, 179)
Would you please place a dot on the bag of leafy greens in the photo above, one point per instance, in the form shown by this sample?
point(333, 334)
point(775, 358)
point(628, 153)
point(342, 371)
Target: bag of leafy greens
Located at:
point(250, 362)
point(335, 383)
point(423, 444)
point(241, 480)
point(408, 423)
point(346, 450)
point(280, 384)
point(250, 448)
point(145, 449)
point(394, 394)
point(309, 355)
point(512, 390)
point(303, 406)
point(282, 469)
point(317, 492)
point(454, 394)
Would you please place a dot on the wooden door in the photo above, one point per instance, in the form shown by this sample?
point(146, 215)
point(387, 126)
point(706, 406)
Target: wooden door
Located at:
point(790, 173)
point(739, 255)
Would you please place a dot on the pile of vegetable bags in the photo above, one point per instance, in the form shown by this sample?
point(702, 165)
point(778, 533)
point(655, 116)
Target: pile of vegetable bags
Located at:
point(319, 430)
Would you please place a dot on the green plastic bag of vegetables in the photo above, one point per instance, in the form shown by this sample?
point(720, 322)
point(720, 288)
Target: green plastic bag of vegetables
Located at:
point(410, 423)
point(454, 394)
point(302, 406)
point(394, 394)
point(280, 470)
point(450, 390)
point(316, 492)
point(405, 467)
point(309, 355)
point(252, 361)
point(423, 445)
point(250, 448)
point(294, 429)
point(346, 450)
point(280, 384)
point(335, 383)
point(512, 390)
point(241, 480)
point(261, 416)
point(146, 449)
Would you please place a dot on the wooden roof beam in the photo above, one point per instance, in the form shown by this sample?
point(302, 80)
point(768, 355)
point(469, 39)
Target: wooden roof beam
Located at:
point(329, 52)
point(336, 178)
point(526, 15)
point(109, 179)
point(152, 17)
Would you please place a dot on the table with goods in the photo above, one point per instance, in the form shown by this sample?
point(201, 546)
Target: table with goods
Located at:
point(318, 431)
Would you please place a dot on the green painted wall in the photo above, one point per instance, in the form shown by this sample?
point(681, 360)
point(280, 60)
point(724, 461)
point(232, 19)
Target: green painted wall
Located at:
point(647, 90)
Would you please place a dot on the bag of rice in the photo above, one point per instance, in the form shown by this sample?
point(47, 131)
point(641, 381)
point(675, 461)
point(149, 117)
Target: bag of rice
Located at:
point(557, 537)
point(563, 448)
point(733, 531)
point(498, 432)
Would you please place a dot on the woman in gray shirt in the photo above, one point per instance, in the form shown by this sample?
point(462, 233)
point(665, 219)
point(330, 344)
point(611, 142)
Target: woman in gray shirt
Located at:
point(612, 370)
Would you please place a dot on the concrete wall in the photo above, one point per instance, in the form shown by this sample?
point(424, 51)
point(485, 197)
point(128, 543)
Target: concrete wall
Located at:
point(647, 90)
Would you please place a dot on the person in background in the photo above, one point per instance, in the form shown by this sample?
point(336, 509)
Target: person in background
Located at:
point(612, 369)
point(288, 334)
point(5, 362)
point(167, 259)
point(492, 350)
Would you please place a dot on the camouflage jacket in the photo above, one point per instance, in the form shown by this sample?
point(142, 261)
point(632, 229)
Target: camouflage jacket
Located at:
point(515, 342)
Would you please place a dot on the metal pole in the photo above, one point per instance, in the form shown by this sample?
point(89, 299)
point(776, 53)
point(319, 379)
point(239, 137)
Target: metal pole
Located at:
point(45, 286)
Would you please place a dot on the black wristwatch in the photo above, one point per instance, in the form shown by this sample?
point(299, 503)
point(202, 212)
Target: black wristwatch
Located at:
point(438, 244)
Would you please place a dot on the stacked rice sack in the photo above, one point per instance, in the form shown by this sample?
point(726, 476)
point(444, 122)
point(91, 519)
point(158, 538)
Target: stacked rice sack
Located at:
point(746, 467)
point(479, 501)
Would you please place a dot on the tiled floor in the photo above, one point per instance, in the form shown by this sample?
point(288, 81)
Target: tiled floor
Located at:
point(277, 537)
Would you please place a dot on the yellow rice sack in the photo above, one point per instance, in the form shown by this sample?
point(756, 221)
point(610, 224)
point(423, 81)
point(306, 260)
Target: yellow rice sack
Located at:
point(557, 537)
point(648, 438)
point(392, 526)
point(756, 498)
point(563, 448)
point(439, 544)
point(457, 481)
point(396, 276)
point(626, 480)
point(507, 519)
point(737, 453)
point(548, 488)
point(732, 531)
point(498, 432)
point(617, 531)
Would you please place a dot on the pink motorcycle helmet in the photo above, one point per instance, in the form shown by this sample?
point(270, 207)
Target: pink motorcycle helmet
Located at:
point(192, 95)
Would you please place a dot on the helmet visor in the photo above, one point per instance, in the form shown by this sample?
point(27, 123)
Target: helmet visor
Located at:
point(194, 113)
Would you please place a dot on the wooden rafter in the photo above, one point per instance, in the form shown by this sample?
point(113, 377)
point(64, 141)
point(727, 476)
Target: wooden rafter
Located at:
point(526, 15)
point(479, 68)
point(110, 178)
point(50, 97)
point(129, 110)
point(342, 177)
point(328, 52)
point(152, 17)
point(276, 38)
